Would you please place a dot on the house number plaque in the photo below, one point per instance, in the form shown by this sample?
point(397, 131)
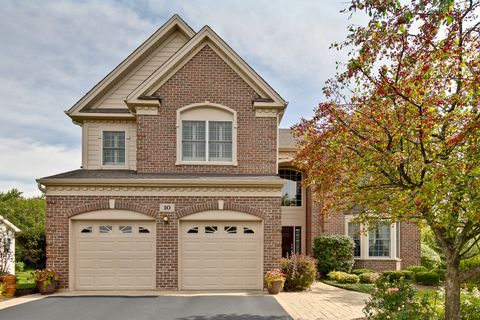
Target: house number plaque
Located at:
point(167, 207)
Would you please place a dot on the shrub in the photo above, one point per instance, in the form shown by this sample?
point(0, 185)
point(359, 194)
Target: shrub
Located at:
point(416, 269)
point(19, 266)
point(396, 300)
point(30, 247)
point(429, 257)
point(360, 271)
point(333, 253)
point(395, 275)
point(299, 272)
point(469, 264)
point(369, 277)
point(470, 304)
point(343, 277)
point(429, 278)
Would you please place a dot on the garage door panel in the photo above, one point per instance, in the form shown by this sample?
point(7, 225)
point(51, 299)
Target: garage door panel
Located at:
point(121, 259)
point(226, 259)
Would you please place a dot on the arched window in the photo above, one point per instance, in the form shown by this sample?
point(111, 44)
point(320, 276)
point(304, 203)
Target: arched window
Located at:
point(292, 189)
point(206, 134)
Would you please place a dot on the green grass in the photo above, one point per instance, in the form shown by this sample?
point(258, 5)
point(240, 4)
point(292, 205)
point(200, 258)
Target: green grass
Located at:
point(360, 287)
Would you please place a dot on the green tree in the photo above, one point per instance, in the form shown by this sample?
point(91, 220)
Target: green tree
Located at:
point(28, 214)
point(399, 133)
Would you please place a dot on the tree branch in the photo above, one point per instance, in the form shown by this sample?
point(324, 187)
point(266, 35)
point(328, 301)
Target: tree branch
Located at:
point(466, 275)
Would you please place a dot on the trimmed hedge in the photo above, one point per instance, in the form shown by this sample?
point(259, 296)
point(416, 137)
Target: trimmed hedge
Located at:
point(360, 271)
point(369, 277)
point(343, 277)
point(333, 252)
point(300, 272)
point(396, 275)
point(416, 269)
point(429, 278)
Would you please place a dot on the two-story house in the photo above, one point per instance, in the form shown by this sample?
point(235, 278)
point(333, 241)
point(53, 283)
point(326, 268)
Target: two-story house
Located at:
point(186, 180)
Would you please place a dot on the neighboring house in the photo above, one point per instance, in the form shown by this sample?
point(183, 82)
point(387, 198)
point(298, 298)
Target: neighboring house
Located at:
point(183, 167)
point(7, 243)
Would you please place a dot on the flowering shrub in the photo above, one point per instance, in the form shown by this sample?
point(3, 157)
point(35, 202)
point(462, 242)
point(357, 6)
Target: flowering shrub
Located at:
point(470, 304)
point(45, 276)
point(274, 275)
point(300, 272)
point(396, 300)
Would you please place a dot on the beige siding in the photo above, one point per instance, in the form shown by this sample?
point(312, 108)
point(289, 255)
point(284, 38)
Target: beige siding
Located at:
point(92, 132)
point(114, 98)
point(295, 217)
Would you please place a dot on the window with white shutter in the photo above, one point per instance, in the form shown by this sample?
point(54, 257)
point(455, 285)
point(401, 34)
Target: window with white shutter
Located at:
point(193, 140)
point(113, 147)
point(206, 135)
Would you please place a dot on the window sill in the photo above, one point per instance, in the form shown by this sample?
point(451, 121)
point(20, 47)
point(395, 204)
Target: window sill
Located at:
point(205, 163)
point(114, 166)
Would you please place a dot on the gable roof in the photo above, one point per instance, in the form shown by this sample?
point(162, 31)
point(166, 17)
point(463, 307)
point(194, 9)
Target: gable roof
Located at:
point(80, 109)
point(142, 95)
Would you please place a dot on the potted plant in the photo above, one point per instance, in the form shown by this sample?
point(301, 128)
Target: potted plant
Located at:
point(46, 280)
point(275, 280)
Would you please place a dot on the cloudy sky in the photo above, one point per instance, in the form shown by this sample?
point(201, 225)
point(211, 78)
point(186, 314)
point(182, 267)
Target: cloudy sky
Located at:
point(54, 51)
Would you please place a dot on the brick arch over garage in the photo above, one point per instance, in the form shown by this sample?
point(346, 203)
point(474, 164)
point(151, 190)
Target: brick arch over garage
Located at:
point(213, 205)
point(105, 205)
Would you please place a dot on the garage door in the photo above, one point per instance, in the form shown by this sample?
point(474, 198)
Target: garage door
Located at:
point(221, 255)
point(114, 255)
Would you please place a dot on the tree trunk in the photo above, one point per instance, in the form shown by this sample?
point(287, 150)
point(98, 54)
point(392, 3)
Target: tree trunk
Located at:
point(452, 290)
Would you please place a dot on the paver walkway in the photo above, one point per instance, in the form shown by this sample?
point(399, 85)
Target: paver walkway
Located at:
point(323, 302)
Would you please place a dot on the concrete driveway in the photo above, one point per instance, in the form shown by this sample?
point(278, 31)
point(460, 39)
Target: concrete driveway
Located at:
point(149, 308)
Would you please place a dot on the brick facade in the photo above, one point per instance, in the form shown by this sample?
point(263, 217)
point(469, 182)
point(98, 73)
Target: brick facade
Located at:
point(206, 77)
point(60, 209)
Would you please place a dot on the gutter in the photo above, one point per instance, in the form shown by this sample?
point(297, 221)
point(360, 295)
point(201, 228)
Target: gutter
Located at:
point(9, 224)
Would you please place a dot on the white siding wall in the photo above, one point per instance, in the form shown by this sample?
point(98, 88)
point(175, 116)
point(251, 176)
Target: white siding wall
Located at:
point(114, 99)
point(92, 144)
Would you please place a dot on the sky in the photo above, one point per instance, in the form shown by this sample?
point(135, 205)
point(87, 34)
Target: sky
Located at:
point(53, 52)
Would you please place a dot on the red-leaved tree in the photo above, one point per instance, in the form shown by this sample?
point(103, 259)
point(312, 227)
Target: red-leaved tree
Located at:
point(399, 134)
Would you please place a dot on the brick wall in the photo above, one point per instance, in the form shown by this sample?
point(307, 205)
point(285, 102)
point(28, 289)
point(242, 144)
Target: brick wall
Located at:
point(409, 244)
point(206, 77)
point(60, 208)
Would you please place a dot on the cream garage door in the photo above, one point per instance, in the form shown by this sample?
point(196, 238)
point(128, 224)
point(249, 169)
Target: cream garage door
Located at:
point(221, 255)
point(114, 255)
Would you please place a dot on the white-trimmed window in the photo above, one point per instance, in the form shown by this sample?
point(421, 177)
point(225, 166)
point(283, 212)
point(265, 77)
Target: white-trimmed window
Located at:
point(292, 189)
point(197, 147)
point(206, 134)
point(381, 241)
point(113, 148)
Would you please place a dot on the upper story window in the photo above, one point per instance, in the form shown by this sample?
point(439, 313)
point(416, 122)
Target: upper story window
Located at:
point(206, 134)
point(114, 147)
point(207, 141)
point(292, 189)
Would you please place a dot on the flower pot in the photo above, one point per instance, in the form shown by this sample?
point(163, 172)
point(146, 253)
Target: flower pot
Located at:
point(48, 289)
point(8, 279)
point(275, 288)
point(10, 290)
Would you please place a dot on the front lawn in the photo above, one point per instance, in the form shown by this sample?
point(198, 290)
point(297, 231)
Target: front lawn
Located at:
point(360, 287)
